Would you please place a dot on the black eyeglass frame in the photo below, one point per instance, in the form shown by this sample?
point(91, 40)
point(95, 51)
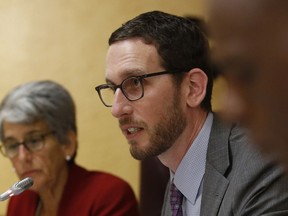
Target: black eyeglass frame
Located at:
point(140, 78)
point(43, 136)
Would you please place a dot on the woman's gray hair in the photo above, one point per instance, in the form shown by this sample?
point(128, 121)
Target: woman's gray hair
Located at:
point(44, 101)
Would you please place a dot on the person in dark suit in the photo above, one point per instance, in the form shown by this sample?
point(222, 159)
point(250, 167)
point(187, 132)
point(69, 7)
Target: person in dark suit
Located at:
point(158, 84)
point(39, 135)
point(250, 44)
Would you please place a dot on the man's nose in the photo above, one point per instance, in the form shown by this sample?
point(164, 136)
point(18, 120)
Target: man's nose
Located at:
point(121, 105)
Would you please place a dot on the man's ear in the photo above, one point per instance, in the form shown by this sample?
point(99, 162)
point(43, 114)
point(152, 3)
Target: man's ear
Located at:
point(70, 148)
point(197, 83)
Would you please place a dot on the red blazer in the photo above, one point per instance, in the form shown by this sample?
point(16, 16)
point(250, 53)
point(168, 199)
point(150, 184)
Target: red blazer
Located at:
point(86, 193)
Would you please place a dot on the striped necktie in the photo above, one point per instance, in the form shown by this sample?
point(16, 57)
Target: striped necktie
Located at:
point(176, 198)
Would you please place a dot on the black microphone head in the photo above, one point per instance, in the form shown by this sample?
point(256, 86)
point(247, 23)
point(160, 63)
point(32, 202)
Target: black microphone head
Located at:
point(22, 185)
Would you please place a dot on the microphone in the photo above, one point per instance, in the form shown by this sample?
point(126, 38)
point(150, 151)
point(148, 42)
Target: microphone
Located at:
point(17, 188)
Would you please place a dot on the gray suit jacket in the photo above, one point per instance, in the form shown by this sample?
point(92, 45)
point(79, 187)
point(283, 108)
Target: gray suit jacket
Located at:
point(238, 180)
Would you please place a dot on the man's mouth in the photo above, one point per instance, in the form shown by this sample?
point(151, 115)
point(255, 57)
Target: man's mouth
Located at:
point(133, 130)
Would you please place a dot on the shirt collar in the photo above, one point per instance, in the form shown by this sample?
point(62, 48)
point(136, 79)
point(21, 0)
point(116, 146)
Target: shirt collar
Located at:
point(190, 172)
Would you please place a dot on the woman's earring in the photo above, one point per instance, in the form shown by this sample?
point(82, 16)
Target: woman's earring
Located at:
point(68, 157)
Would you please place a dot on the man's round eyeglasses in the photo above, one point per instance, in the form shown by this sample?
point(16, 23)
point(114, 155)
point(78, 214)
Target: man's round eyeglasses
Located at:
point(132, 88)
point(33, 143)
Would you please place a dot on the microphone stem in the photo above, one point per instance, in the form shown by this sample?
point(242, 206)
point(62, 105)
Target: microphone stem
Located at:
point(6, 195)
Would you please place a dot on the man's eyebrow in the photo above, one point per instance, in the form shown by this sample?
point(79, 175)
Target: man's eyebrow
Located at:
point(126, 74)
point(108, 81)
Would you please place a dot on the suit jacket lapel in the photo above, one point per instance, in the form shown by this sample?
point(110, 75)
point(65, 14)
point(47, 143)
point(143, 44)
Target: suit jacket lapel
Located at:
point(215, 183)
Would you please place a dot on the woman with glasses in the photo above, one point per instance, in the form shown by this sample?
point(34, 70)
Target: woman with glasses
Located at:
point(39, 135)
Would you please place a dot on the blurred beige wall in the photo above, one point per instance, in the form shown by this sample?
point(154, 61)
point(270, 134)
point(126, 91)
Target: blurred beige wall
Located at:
point(66, 41)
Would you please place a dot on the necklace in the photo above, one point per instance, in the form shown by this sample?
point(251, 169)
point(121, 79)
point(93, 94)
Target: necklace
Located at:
point(39, 207)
